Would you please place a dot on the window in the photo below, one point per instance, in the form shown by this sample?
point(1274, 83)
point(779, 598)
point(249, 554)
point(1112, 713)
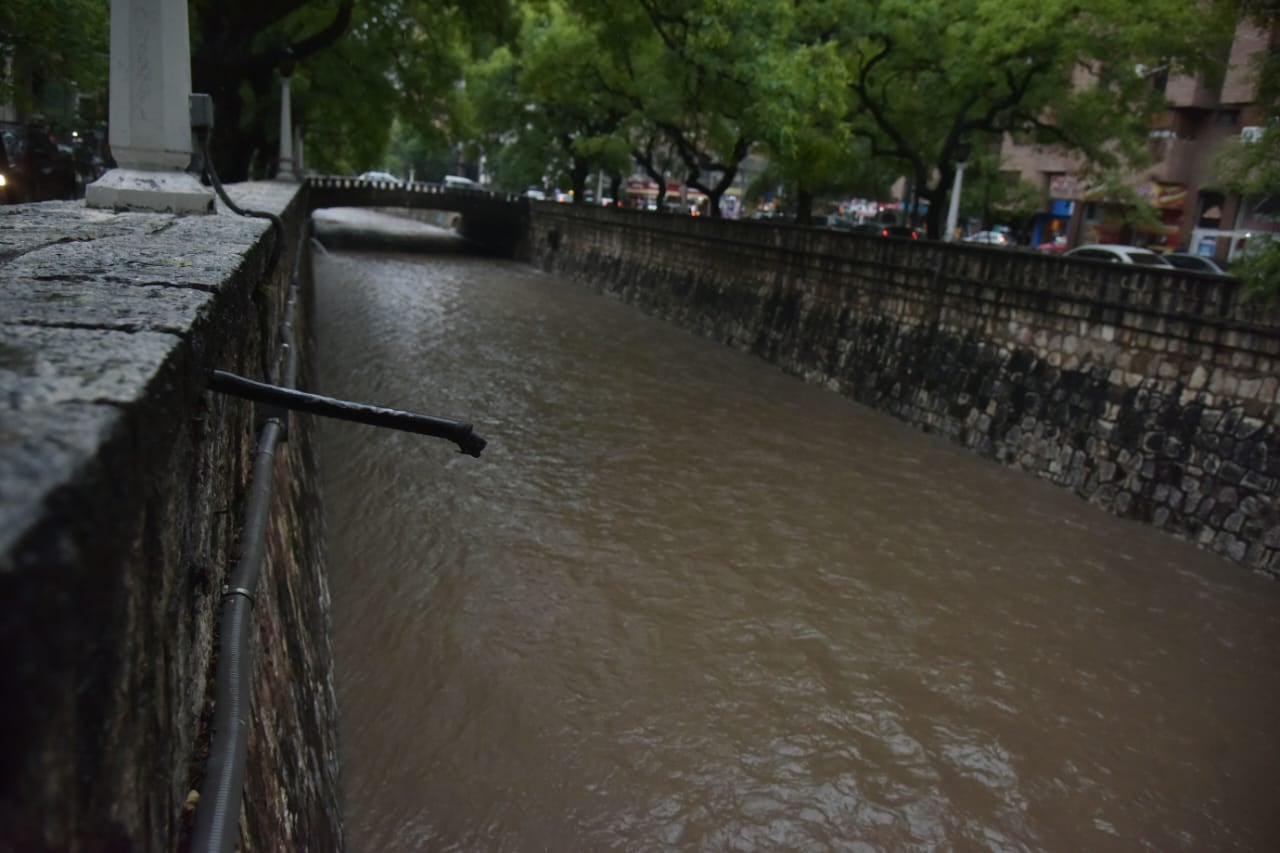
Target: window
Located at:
point(1227, 118)
point(1093, 255)
point(1187, 123)
point(1209, 210)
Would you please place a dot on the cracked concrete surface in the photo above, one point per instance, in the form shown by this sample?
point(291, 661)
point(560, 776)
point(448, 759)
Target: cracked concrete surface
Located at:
point(95, 306)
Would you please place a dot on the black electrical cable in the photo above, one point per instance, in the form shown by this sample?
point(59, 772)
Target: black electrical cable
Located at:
point(217, 825)
point(202, 139)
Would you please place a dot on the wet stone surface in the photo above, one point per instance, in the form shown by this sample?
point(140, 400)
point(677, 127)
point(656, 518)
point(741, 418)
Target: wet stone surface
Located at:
point(1112, 383)
point(122, 486)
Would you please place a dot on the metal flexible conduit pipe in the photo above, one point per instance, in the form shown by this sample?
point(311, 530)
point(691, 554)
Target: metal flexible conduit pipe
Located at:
point(217, 825)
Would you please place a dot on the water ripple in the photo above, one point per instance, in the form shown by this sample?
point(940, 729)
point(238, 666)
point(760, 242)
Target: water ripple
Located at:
point(687, 602)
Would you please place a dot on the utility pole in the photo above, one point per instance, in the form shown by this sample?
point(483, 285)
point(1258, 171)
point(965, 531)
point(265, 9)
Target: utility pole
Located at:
point(953, 212)
point(284, 168)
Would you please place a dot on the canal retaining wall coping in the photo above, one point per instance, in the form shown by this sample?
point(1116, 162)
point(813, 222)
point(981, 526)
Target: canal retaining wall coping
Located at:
point(122, 490)
point(1152, 394)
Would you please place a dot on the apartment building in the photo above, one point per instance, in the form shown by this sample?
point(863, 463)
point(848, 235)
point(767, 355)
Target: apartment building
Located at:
point(1195, 211)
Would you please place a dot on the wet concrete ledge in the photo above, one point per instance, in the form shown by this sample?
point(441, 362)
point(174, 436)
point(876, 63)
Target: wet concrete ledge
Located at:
point(122, 488)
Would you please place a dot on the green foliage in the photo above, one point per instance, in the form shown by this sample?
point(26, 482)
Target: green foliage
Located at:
point(44, 42)
point(841, 96)
point(1253, 168)
point(360, 66)
point(927, 75)
point(1259, 269)
point(409, 154)
point(548, 108)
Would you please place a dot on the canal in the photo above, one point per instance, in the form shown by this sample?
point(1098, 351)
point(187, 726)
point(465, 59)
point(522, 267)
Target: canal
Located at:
point(685, 601)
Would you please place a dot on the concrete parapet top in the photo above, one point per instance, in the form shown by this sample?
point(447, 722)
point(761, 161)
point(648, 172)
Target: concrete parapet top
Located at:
point(97, 312)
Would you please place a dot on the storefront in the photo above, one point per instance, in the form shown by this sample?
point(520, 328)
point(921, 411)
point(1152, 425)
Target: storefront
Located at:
point(1104, 218)
point(642, 193)
point(1053, 224)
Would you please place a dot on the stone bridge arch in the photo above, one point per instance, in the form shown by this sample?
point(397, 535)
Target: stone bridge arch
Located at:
point(494, 223)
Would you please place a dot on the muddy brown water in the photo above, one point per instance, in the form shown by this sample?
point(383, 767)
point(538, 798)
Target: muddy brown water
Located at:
point(687, 602)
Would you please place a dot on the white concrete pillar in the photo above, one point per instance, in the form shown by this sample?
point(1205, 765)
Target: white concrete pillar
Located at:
point(284, 170)
point(150, 131)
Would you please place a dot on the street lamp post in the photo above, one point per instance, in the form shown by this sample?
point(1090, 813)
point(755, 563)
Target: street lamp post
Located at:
point(953, 212)
point(284, 170)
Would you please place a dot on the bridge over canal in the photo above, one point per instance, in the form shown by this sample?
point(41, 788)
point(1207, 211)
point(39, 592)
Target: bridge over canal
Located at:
point(494, 223)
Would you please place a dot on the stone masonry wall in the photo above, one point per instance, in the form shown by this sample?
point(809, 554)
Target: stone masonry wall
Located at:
point(1151, 394)
point(123, 482)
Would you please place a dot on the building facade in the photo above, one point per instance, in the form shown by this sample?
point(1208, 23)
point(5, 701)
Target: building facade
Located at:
point(1195, 211)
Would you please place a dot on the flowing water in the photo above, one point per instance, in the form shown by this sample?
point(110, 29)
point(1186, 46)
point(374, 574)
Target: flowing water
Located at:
point(685, 601)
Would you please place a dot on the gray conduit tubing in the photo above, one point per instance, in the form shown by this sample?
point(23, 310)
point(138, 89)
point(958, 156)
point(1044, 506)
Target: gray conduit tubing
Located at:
point(217, 826)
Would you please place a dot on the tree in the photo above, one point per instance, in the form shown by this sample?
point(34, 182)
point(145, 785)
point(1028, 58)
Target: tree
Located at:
point(238, 46)
point(1252, 168)
point(43, 42)
point(358, 67)
point(927, 75)
point(702, 81)
point(548, 104)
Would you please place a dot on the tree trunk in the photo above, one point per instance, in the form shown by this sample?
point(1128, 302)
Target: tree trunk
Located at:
point(715, 192)
point(936, 218)
point(578, 173)
point(228, 151)
point(804, 206)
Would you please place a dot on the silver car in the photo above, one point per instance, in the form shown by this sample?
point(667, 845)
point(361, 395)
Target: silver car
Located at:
point(1118, 254)
point(990, 238)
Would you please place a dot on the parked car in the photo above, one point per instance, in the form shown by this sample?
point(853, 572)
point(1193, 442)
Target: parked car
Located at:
point(1116, 253)
point(460, 182)
point(881, 229)
point(385, 177)
point(32, 166)
point(900, 231)
point(989, 238)
point(85, 150)
point(535, 194)
point(830, 220)
point(1197, 263)
point(1055, 246)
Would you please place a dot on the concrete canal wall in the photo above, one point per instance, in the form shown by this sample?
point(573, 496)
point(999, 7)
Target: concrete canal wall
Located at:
point(122, 494)
point(1152, 395)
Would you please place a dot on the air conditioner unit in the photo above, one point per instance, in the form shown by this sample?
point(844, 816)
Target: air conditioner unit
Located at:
point(1251, 134)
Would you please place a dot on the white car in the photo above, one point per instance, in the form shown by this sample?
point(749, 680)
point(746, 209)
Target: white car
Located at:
point(990, 238)
point(460, 182)
point(386, 177)
point(1117, 254)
